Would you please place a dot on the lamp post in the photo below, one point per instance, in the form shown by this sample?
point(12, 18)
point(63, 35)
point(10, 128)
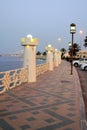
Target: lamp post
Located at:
point(72, 31)
point(70, 46)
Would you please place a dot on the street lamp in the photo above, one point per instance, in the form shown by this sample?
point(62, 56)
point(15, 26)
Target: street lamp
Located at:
point(59, 40)
point(69, 44)
point(80, 33)
point(72, 31)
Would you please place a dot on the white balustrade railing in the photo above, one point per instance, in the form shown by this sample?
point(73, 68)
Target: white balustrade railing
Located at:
point(41, 68)
point(12, 78)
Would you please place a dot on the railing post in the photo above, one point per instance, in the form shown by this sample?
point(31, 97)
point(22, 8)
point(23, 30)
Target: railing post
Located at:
point(59, 57)
point(56, 57)
point(50, 51)
point(30, 44)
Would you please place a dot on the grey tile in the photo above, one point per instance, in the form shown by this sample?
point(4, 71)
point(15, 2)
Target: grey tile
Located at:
point(53, 127)
point(4, 110)
point(68, 129)
point(25, 127)
point(31, 119)
point(50, 120)
point(64, 121)
point(71, 114)
point(24, 106)
point(28, 102)
point(55, 108)
point(35, 112)
point(12, 117)
point(5, 126)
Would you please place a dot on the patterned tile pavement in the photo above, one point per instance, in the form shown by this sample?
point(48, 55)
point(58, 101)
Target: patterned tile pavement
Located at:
point(52, 103)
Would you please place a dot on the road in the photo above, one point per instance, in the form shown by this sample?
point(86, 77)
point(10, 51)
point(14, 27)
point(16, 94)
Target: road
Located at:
point(83, 80)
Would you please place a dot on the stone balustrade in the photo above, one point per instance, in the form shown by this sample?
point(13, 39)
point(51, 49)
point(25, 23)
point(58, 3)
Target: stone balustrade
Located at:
point(12, 78)
point(29, 72)
point(41, 68)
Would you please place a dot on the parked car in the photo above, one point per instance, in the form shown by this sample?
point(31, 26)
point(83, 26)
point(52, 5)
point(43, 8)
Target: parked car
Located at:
point(84, 66)
point(79, 62)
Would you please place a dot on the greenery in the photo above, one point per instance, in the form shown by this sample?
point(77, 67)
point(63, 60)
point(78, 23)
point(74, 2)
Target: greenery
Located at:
point(43, 53)
point(63, 51)
point(75, 48)
point(38, 53)
point(85, 40)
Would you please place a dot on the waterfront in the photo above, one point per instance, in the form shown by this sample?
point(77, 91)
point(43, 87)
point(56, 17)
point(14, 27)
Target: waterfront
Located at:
point(10, 63)
point(48, 104)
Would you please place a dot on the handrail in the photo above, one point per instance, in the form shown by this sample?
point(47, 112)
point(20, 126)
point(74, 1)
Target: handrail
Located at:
point(41, 68)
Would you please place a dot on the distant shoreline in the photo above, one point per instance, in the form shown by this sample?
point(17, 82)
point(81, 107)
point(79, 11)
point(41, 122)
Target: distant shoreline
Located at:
point(41, 57)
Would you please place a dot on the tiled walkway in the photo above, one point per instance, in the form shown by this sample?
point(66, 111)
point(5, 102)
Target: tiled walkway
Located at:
point(52, 103)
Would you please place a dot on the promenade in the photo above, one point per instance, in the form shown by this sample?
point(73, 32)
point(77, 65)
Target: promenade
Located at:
point(52, 103)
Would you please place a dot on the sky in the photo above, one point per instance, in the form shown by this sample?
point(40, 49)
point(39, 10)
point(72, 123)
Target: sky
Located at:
point(48, 20)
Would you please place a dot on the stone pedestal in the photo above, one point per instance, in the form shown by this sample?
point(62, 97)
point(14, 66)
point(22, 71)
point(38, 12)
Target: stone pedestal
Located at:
point(30, 44)
point(50, 50)
point(56, 57)
point(59, 56)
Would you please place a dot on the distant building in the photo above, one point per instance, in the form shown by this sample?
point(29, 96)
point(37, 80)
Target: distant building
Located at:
point(82, 54)
point(18, 53)
point(66, 54)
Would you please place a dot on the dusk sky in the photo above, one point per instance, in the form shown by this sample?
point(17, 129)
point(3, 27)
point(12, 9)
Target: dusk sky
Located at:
point(46, 19)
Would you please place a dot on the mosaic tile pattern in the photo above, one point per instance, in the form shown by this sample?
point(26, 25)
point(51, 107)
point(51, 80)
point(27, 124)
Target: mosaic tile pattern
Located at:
point(52, 103)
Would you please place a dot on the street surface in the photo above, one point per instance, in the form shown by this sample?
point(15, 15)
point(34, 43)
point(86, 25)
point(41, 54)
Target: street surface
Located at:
point(83, 80)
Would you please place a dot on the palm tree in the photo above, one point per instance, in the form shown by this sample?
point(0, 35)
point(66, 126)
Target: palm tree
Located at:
point(63, 50)
point(44, 53)
point(38, 53)
point(85, 40)
point(75, 48)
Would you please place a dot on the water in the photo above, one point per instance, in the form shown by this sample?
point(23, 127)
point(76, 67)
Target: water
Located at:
point(10, 63)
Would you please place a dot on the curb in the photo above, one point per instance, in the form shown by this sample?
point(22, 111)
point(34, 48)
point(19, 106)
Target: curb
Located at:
point(82, 105)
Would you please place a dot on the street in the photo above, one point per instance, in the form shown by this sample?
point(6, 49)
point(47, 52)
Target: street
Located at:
point(83, 80)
